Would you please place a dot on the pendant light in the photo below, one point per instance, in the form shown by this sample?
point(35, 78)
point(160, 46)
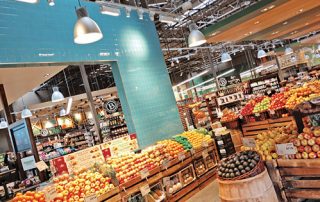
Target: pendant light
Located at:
point(25, 112)
point(56, 96)
point(86, 30)
point(62, 112)
point(262, 53)
point(225, 57)
point(3, 123)
point(196, 38)
point(51, 2)
point(288, 50)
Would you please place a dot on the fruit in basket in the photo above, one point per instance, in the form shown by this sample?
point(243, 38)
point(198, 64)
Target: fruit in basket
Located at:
point(278, 101)
point(248, 108)
point(196, 138)
point(170, 150)
point(262, 106)
point(238, 164)
point(228, 115)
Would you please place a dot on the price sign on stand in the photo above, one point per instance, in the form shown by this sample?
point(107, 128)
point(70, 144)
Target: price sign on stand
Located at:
point(192, 151)
point(241, 117)
point(145, 189)
point(204, 144)
point(205, 154)
point(257, 114)
point(165, 163)
point(41, 165)
point(50, 193)
point(91, 198)
point(272, 112)
point(144, 173)
point(249, 142)
point(181, 156)
point(286, 149)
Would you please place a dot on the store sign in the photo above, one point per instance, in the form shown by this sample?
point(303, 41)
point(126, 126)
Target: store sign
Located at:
point(41, 165)
point(286, 149)
point(229, 80)
point(28, 163)
point(111, 106)
point(249, 142)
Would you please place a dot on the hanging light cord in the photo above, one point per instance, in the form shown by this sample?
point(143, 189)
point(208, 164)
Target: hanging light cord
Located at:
point(65, 78)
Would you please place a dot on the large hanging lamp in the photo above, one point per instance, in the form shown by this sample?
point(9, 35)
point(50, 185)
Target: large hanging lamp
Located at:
point(26, 113)
point(62, 112)
point(288, 50)
point(262, 53)
point(3, 123)
point(225, 57)
point(86, 30)
point(56, 96)
point(196, 38)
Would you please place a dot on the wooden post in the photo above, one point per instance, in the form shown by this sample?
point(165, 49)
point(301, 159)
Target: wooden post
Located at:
point(4, 101)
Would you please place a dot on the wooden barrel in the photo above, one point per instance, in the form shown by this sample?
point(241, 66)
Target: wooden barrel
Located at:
point(254, 189)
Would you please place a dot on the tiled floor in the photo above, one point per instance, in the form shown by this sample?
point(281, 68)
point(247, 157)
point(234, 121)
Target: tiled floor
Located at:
point(209, 194)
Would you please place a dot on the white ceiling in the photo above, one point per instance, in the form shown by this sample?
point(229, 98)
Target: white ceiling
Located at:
point(18, 81)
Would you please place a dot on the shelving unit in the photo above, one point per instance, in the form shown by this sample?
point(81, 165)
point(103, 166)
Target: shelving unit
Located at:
point(258, 85)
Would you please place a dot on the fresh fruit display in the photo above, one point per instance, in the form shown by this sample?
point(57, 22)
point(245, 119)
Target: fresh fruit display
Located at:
point(187, 175)
point(29, 196)
point(171, 149)
point(248, 108)
point(307, 92)
point(200, 166)
point(262, 106)
point(196, 138)
point(238, 164)
point(174, 184)
point(228, 115)
point(183, 141)
point(79, 186)
point(278, 101)
point(156, 194)
point(308, 144)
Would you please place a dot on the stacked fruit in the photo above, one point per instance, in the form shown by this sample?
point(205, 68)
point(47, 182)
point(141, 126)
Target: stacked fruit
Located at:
point(262, 106)
point(278, 101)
point(248, 108)
point(228, 115)
point(170, 150)
point(183, 141)
point(127, 167)
point(196, 139)
point(29, 196)
point(308, 144)
point(79, 186)
point(239, 164)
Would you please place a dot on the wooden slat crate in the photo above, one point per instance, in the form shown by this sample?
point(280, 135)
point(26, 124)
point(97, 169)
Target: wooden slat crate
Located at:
point(274, 123)
point(299, 178)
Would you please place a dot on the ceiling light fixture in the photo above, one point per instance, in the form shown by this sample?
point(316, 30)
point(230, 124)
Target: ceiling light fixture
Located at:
point(26, 113)
point(288, 50)
point(3, 123)
point(262, 53)
point(62, 112)
point(225, 57)
point(196, 38)
point(109, 11)
point(56, 96)
point(51, 2)
point(86, 30)
point(29, 1)
point(140, 14)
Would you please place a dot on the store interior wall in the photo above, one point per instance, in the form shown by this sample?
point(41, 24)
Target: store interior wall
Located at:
point(133, 43)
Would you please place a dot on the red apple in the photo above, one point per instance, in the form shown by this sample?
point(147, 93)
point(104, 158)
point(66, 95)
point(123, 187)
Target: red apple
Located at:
point(315, 148)
point(305, 155)
point(298, 156)
point(300, 149)
point(312, 155)
point(300, 136)
point(318, 140)
point(311, 142)
point(296, 142)
point(307, 136)
point(307, 149)
point(304, 142)
point(318, 154)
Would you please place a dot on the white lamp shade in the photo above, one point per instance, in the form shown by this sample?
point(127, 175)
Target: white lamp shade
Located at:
point(3, 123)
point(29, 1)
point(62, 112)
point(196, 38)
point(57, 96)
point(51, 2)
point(306, 57)
point(26, 113)
point(262, 53)
point(86, 30)
point(225, 57)
point(288, 51)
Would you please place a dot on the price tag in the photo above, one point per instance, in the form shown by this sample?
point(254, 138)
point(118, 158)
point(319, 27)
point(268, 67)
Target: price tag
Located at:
point(223, 151)
point(249, 142)
point(165, 163)
point(204, 144)
point(257, 114)
point(50, 193)
point(166, 181)
point(41, 165)
point(181, 156)
point(286, 149)
point(91, 198)
point(220, 142)
point(192, 151)
point(144, 173)
point(241, 117)
point(272, 112)
point(145, 189)
point(205, 154)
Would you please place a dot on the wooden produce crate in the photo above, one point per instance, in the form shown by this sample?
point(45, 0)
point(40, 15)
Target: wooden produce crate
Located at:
point(298, 179)
point(254, 128)
point(275, 123)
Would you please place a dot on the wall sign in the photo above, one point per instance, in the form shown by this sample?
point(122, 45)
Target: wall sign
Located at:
point(229, 80)
point(111, 106)
point(28, 163)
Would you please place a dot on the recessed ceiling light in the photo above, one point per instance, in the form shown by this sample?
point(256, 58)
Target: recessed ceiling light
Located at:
point(286, 22)
point(257, 22)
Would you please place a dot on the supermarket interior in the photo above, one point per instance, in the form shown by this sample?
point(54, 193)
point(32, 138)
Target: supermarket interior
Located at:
point(159, 100)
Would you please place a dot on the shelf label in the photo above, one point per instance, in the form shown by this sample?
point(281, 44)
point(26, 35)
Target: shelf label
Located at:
point(272, 112)
point(50, 193)
point(41, 165)
point(205, 154)
point(91, 198)
point(166, 181)
point(257, 114)
point(204, 144)
point(241, 117)
point(286, 149)
point(165, 163)
point(144, 173)
point(192, 151)
point(145, 189)
point(249, 142)
point(223, 151)
point(181, 156)
point(220, 142)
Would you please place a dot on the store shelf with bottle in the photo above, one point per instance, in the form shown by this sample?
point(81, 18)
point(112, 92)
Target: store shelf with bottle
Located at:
point(262, 84)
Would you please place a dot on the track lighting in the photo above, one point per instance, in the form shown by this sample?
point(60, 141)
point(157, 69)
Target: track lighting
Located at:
point(196, 38)
point(86, 30)
point(109, 11)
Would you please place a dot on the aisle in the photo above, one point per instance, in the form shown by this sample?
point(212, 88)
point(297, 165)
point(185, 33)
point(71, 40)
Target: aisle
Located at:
point(208, 194)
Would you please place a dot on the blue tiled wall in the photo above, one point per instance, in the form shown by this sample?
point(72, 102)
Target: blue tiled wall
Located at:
point(37, 33)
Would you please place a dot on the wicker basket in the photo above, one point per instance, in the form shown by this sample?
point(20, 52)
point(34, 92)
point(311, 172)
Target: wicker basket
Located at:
point(259, 168)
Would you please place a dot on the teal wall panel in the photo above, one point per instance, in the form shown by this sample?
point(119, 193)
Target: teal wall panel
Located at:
point(37, 33)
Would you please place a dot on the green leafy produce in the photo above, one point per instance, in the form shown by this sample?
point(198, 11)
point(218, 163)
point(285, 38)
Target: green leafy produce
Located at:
point(183, 141)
